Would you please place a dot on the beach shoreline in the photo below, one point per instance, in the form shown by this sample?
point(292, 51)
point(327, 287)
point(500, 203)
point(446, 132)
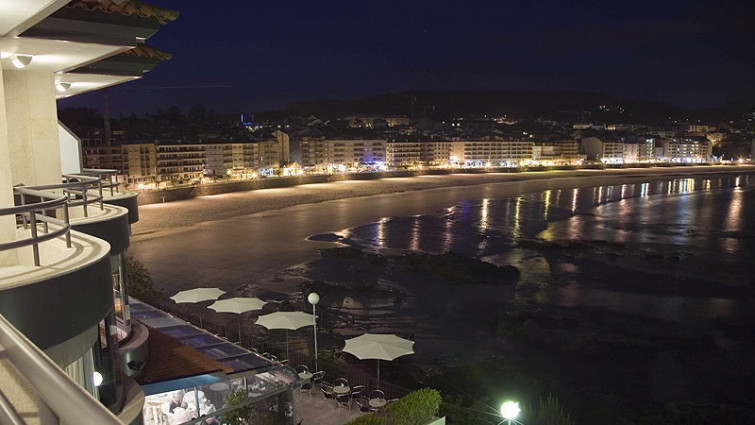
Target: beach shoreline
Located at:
point(171, 215)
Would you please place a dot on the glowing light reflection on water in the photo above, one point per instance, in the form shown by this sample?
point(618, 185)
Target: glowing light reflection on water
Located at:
point(681, 227)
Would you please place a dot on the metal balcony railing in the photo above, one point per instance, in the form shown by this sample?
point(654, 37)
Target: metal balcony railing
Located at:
point(31, 215)
point(107, 177)
point(76, 188)
point(38, 202)
point(61, 399)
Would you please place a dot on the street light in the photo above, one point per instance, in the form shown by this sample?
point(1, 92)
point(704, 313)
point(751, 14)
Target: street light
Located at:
point(510, 410)
point(313, 299)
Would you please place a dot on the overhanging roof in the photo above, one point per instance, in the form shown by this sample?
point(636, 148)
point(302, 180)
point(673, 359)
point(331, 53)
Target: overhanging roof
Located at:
point(100, 38)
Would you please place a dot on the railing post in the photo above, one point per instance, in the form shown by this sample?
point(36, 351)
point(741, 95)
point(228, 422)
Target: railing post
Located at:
point(23, 216)
point(67, 223)
point(35, 245)
point(84, 199)
point(99, 189)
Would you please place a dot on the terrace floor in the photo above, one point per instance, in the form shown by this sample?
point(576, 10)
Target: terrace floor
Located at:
point(318, 410)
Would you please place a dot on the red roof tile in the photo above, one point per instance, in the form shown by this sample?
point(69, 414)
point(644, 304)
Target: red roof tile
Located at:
point(128, 7)
point(145, 50)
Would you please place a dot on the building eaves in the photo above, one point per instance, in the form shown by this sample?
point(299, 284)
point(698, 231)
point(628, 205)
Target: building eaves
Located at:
point(146, 51)
point(128, 7)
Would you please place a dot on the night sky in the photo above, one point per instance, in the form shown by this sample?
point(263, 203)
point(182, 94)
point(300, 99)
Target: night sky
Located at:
point(252, 56)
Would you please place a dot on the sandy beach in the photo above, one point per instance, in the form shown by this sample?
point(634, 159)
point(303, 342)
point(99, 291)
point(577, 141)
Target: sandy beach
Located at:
point(189, 212)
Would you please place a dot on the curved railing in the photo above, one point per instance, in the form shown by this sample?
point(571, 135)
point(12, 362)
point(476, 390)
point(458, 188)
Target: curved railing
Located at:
point(76, 188)
point(33, 214)
point(62, 399)
point(107, 177)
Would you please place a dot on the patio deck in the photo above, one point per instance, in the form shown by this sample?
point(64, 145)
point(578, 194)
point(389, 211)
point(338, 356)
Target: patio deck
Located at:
point(318, 410)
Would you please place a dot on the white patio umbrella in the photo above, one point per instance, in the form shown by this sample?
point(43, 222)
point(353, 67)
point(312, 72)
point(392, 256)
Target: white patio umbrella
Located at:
point(378, 346)
point(286, 320)
point(197, 295)
point(238, 305)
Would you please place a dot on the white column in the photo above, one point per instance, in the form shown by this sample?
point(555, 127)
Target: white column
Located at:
point(32, 120)
point(7, 223)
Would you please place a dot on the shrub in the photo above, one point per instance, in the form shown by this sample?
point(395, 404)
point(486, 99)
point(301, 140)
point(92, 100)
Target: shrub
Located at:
point(368, 419)
point(140, 284)
point(238, 416)
point(551, 413)
point(416, 408)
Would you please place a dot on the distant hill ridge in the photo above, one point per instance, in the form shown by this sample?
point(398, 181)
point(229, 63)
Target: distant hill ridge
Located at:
point(571, 105)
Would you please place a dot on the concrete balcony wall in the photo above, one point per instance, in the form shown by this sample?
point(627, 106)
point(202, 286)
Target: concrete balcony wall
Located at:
point(110, 224)
point(128, 200)
point(64, 298)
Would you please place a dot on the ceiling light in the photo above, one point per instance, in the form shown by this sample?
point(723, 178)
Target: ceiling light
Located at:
point(20, 61)
point(62, 86)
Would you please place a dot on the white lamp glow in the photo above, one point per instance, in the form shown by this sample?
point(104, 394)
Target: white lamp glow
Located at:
point(20, 61)
point(313, 299)
point(97, 379)
point(510, 410)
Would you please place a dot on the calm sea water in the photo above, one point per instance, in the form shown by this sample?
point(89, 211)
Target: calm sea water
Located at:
point(698, 231)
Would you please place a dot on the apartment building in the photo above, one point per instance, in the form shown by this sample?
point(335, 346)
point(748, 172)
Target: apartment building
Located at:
point(491, 152)
point(181, 162)
point(685, 149)
point(139, 163)
point(562, 152)
point(403, 153)
point(322, 153)
point(436, 153)
point(609, 152)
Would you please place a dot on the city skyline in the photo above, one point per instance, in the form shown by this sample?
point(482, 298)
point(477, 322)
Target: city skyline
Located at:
point(260, 57)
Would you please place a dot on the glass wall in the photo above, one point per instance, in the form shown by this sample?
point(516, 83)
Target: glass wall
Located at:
point(260, 398)
point(107, 365)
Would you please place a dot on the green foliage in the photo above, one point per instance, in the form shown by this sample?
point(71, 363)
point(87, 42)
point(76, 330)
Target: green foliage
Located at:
point(140, 284)
point(368, 419)
point(550, 412)
point(416, 408)
point(238, 416)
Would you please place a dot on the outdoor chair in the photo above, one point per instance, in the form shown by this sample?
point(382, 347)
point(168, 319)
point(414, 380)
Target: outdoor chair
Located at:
point(363, 402)
point(318, 377)
point(356, 392)
point(306, 387)
point(302, 368)
point(343, 400)
point(327, 390)
point(376, 395)
point(341, 381)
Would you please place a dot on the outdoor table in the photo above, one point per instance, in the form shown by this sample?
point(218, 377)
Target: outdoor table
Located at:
point(306, 376)
point(341, 389)
point(377, 403)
